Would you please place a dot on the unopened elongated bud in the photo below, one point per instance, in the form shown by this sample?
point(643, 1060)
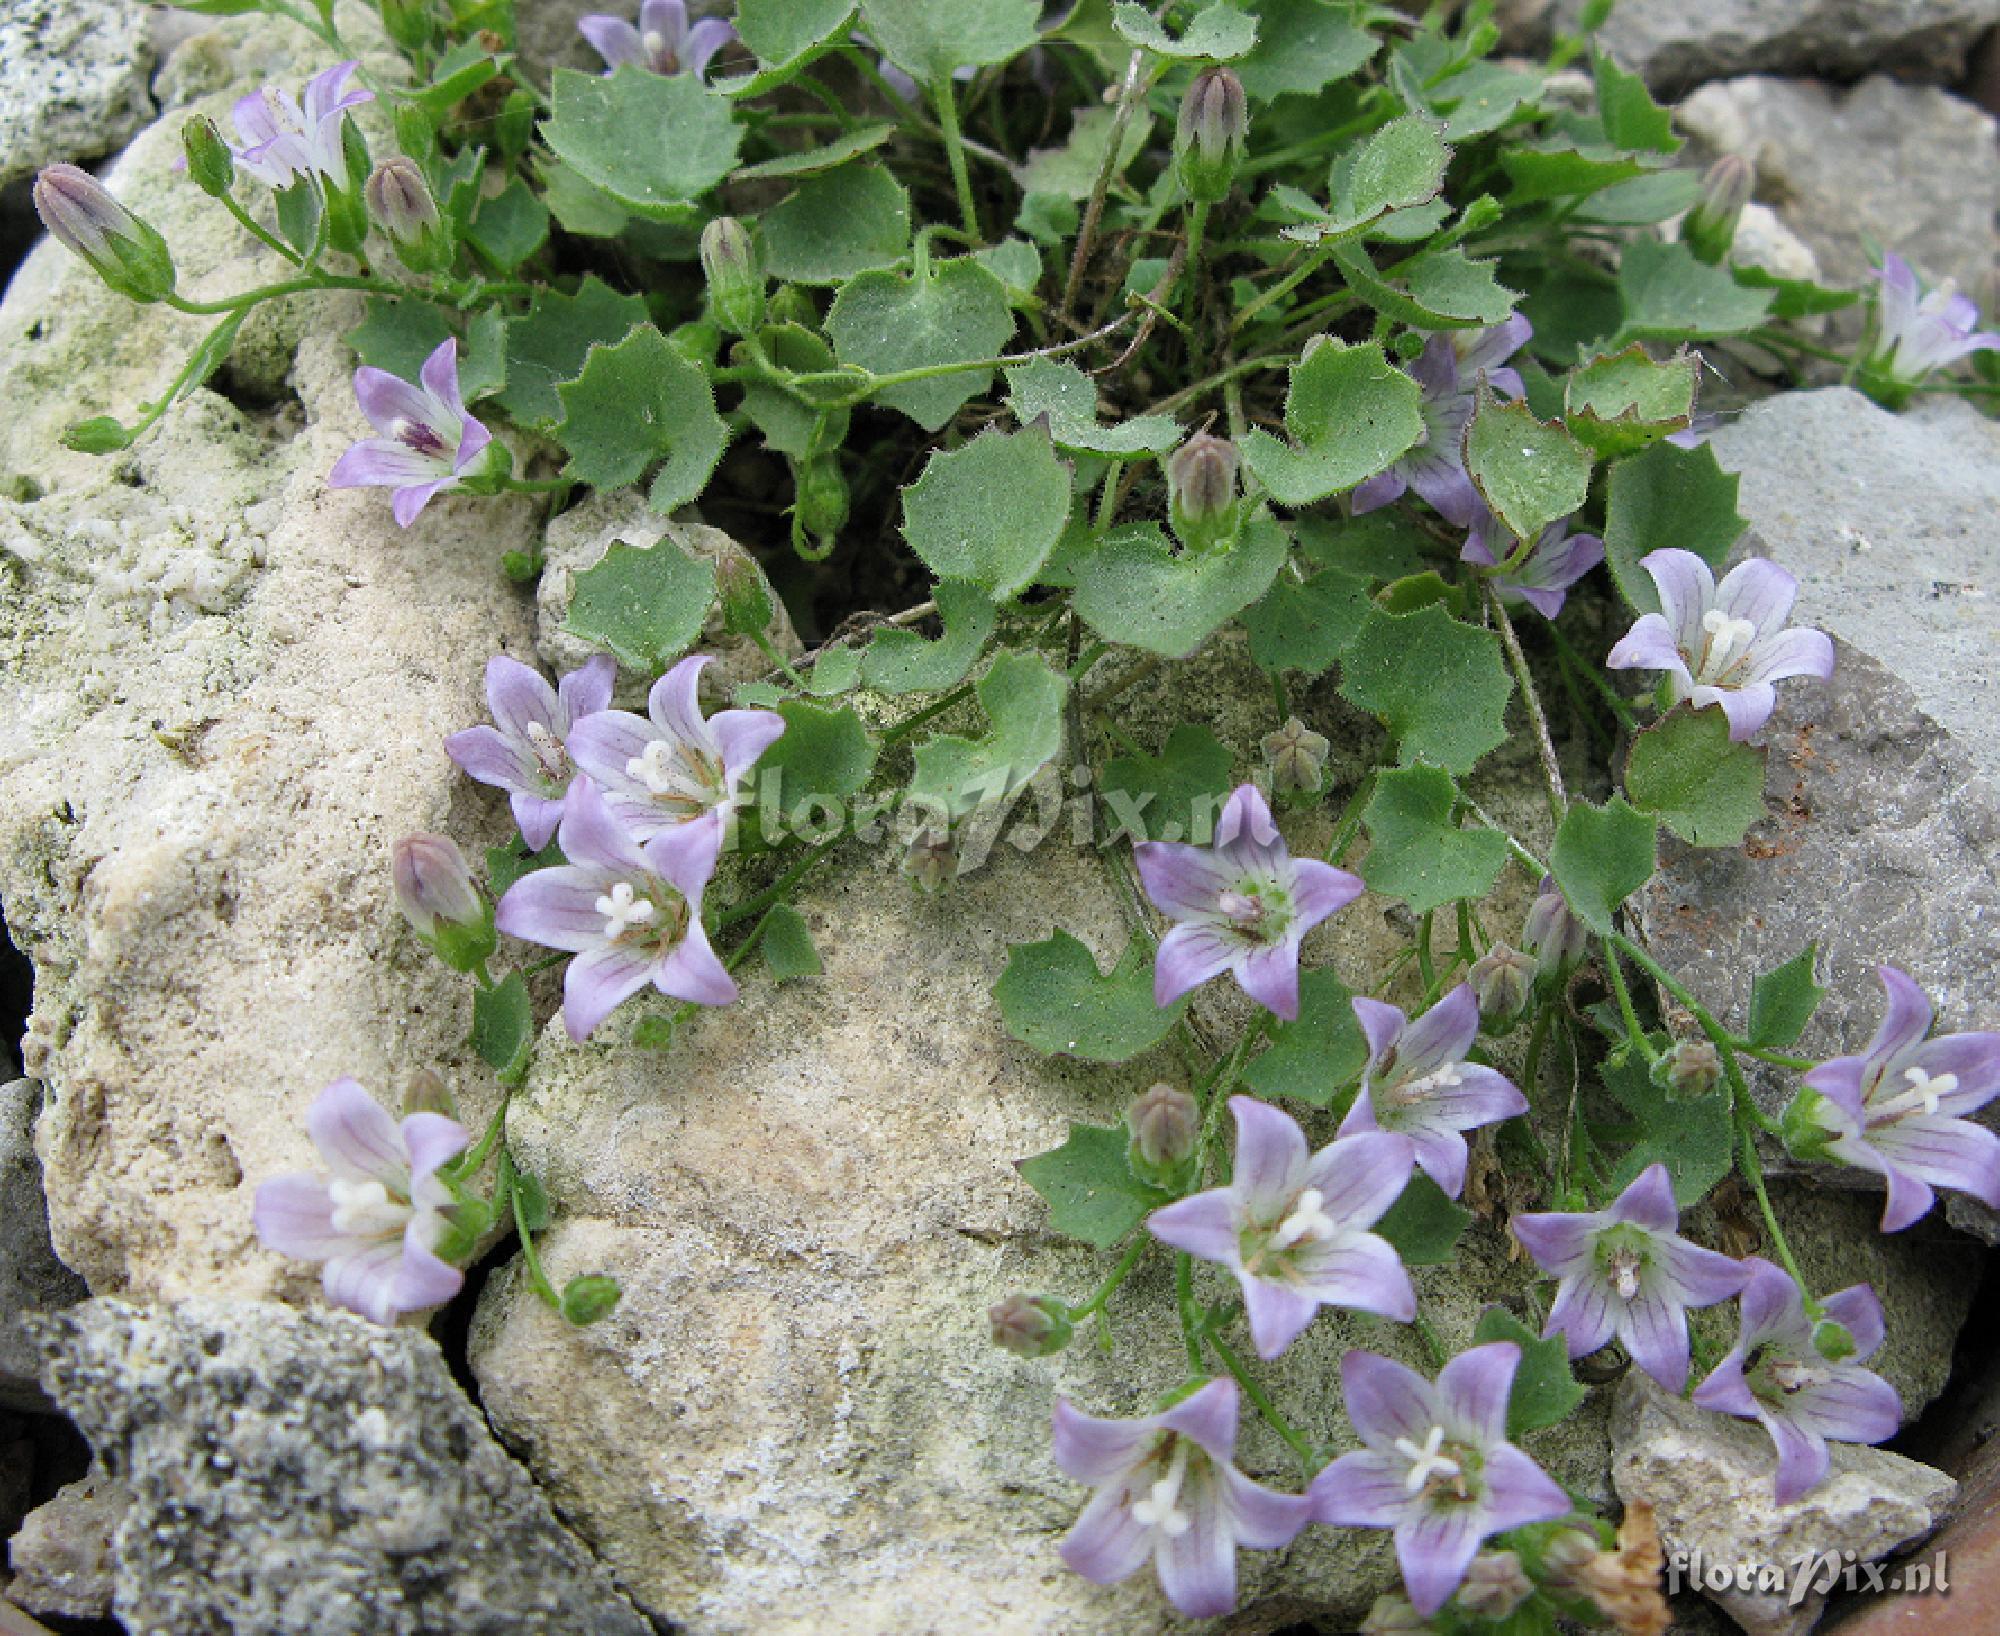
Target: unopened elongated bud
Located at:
point(743, 593)
point(1494, 1585)
point(1554, 936)
point(1209, 140)
point(735, 277)
point(1710, 228)
point(1030, 1326)
point(1564, 1556)
point(1296, 756)
point(1502, 979)
point(589, 1298)
point(426, 1092)
point(410, 23)
point(399, 200)
point(932, 859)
point(1393, 1615)
point(83, 217)
point(1164, 1122)
point(1201, 489)
point(1692, 1068)
point(435, 892)
point(822, 496)
point(211, 165)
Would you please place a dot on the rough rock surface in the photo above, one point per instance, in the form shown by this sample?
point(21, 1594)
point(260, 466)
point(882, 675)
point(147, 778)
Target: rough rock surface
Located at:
point(72, 81)
point(311, 1473)
point(31, 1278)
point(1882, 843)
point(228, 686)
point(794, 1421)
point(1708, 1478)
point(1911, 167)
point(578, 540)
point(1676, 44)
point(63, 1559)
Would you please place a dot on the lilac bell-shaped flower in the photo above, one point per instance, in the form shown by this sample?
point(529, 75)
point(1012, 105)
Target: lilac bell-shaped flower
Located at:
point(1167, 1492)
point(1899, 1108)
point(1626, 1271)
point(631, 914)
point(1779, 1375)
point(1723, 644)
point(1436, 1467)
point(663, 43)
point(1916, 332)
point(1242, 905)
point(524, 751)
point(1543, 577)
point(1293, 1225)
point(377, 1219)
point(428, 442)
point(1448, 370)
point(284, 141)
point(674, 767)
point(1417, 1082)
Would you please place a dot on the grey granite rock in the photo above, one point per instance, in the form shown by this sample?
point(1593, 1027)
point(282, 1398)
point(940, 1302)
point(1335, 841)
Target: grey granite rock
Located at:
point(72, 81)
point(1681, 43)
point(1910, 167)
point(301, 1474)
point(1882, 841)
point(31, 1278)
point(1708, 1478)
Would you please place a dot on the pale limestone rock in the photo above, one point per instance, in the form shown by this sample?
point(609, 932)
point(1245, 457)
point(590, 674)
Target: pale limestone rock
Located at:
point(72, 81)
point(1708, 1478)
point(229, 685)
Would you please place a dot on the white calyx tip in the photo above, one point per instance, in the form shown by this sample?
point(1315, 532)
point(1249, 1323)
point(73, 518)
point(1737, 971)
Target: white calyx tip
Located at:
point(622, 909)
point(1426, 1461)
point(1307, 1220)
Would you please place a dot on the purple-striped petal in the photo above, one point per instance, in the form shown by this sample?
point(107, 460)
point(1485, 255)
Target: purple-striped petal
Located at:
point(1359, 1271)
point(363, 1278)
point(1858, 1310)
point(380, 463)
point(1263, 1519)
point(556, 908)
point(706, 38)
point(1654, 1330)
point(692, 972)
point(1907, 1019)
point(1803, 1458)
point(1270, 976)
point(484, 754)
point(1701, 1277)
point(1106, 1543)
point(1208, 1417)
point(440, 378)
point(1382, 1026)
point(613, 39)
point(1206, 1225)
point(293, 1215)
point(1271, 1157)
point(1434, 1547)
point(1442, 1035)
point(1189, 956)
point(1726, 1391)
point(1472, 1391)
point(1759, 591)
point(587, 689)
point(1387, 1400)
point(422, 1279)
point(407, 504)
point(1278, 1313)
point(1319, 890)
point(1362, 1490)
point(1582, 1313)
point(1791, 653)
point(1943, 1152)
point(591, 834)
point(1099, 1451)
point(1648, 1202)
point(1560, 1242)
point(1384, 488)
point(388, 399)
point(1972, 1059)
point(1687, 591)
point(356, 1136)
point(743, 736)
point(1519, 1492)
point(599, 980)
point(1182, 881)
point(675, 703)
point(1359, 1177)
point(1747, 708)
point(1649, 645)
point(1854, 1406)
point(1442, 1155)
point(536, 816)
point(519, 696)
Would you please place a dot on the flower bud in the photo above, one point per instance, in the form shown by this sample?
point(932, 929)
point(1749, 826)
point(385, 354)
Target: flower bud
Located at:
point(1692, 1068)
point(1164, 1122)
point(409, 23)
point(1393, 1615)
point(426, 1092)
point(101, 434)
point(589, 1297)
point(1554, 936)
point(1565, 1555)
point(1502, 979)
point(433, 883)
point(399, 199)
point(82, 216)
point(735, 277)
point(1209, 140)
point(1297, 758)
point(1710, 227)
point(822, 497)
point(1030, 1326)
point(932, 859)
point(743, 593)
point(435, 891)
point(1201, 489)
point(1494, 1585)
point(210, 163)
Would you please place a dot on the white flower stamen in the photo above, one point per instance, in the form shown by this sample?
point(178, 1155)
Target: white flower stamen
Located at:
point(1794, 1377)
point(364, 1209)
point(1726, 636)
point(1427, 1461)
point(1623, 1266)
point(1158, 1509)
point(1921, 1097)
point(623, 909)
point(548, 750)
point(1306, 1221)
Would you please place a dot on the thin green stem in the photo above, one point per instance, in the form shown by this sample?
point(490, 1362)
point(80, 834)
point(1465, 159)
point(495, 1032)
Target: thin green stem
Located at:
point(1753, 1173)
point(946, 102)
point(1134, 1254)
point(1260, 1400)
point(294, 286)
point(1531, 701)
point(1589, 672)
point(257, 231)
point(1309, 265)
point(1191, 1325)
point(1778, 1058)
point(1614, 970)
point(537, 1279)
point(1129, 92)
point(470, 1163)
point(778, 889)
